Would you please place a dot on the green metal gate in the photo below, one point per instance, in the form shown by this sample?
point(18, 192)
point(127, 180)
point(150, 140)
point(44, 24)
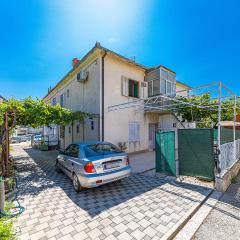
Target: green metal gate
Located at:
point(196, 153)
point(165, 152)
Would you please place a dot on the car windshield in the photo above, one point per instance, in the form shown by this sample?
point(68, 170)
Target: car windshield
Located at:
point(101, 149)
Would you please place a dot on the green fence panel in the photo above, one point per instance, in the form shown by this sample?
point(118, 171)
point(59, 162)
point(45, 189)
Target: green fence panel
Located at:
point(226, 135)
point(196, 153)
point(165, 152)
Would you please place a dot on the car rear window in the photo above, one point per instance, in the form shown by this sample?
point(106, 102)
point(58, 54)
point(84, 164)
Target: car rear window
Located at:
point(101, 149)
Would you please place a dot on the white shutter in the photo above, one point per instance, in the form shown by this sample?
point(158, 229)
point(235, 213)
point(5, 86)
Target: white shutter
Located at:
point(124, 86)
point(144, 90)
point(134, 132)
point(137, 132)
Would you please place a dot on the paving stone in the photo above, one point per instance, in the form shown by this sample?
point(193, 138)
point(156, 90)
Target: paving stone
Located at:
point(140, 207)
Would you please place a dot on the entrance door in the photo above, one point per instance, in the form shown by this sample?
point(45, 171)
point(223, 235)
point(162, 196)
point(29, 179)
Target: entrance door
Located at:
point(152, 138)
point(165, 152)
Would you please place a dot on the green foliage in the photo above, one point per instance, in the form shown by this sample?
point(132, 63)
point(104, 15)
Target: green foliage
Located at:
point(6, 225)
point(6, 230)
point(36, 113)
point(195, 109)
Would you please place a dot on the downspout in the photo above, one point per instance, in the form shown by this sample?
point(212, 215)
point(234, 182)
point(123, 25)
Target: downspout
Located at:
point(105, 53)
point(72, 132)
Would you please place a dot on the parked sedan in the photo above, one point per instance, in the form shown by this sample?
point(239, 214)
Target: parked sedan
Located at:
point(93, 164)
point(15, 140)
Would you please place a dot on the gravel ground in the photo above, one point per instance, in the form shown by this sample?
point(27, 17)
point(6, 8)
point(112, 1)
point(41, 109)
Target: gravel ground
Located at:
point(223, 222)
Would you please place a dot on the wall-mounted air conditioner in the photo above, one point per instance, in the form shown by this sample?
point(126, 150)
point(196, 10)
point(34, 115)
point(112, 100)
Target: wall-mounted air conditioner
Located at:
point(82, 76)
point(143, 84)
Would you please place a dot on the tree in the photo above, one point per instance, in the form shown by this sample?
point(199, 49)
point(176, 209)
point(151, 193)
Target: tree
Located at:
point(29, 112)
point(204, 110)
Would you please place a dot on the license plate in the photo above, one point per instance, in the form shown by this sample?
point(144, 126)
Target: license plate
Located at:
point(111, 165)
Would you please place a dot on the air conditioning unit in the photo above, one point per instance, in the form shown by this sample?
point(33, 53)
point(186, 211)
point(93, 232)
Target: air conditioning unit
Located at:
point(143, 84)
point(82, 76)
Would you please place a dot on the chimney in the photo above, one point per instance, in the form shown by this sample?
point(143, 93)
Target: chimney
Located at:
point(75, 61)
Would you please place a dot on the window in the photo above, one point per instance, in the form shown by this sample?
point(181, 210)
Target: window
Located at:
point(150, 88)
point(133, 88)
point(54, 101)
point(134, 132)
point(78, 129)
point(156, 87)
point(130, 88)
point(163, 86)
point(68, 93)
point(169, 87)
point(62, 100)
point(92, 125)
point(101, 149)
point(72, 151)
point(164, 74)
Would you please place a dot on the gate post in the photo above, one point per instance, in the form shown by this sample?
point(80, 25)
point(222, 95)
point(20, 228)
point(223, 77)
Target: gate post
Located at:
point(176, 152)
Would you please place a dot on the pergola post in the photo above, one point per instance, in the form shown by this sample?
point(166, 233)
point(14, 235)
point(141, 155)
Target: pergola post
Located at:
point(234, 128)
point(219, 121)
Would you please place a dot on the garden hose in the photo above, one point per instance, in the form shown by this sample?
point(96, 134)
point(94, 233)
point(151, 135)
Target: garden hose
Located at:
point(19, 207)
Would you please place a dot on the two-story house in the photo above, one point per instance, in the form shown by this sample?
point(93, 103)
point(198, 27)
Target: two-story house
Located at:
point(103, 78)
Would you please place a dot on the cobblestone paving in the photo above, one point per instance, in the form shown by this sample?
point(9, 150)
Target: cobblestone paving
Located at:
point(139, 207)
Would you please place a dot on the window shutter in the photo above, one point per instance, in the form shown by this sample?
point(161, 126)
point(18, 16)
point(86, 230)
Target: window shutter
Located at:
point(134, 132)
point(137, 137)
point(124, 86)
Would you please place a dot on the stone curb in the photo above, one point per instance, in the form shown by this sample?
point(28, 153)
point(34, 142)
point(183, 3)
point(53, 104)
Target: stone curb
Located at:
point(194, 222)
point(171, 234)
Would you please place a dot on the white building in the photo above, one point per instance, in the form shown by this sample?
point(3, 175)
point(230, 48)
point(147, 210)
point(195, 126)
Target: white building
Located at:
point(103, 78)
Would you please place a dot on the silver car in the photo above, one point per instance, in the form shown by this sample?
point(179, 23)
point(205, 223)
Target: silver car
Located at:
point(93, 164)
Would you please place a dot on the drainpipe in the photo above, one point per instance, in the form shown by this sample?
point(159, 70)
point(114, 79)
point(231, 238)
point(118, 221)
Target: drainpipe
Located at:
point(105, 53)
point(72, 132)
point(2, 195)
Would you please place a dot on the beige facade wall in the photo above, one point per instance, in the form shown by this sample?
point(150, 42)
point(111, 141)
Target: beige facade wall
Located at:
point(181, 89)
point(116, 123)
point(82, 97)
point(88, 97)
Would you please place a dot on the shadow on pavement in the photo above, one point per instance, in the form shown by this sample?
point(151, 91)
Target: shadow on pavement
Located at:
point(37, 174)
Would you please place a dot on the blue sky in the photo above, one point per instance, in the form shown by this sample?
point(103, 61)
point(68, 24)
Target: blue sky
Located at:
point(199, 39)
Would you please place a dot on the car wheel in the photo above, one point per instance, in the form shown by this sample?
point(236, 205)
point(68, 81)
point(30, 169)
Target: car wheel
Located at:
point(57, 167)
point(76, 184)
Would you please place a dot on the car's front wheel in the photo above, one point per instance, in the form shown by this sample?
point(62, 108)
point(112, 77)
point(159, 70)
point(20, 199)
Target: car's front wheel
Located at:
point(57, 167)
point(76, 184)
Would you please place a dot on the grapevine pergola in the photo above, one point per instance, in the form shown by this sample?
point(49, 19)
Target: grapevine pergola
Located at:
point(214, 101)
point(29, 112)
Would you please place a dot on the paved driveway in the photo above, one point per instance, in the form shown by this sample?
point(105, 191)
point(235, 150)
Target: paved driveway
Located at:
point(140, 207)
point(223, 222)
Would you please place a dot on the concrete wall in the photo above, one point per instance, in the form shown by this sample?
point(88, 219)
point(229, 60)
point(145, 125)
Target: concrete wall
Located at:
point(223, 182)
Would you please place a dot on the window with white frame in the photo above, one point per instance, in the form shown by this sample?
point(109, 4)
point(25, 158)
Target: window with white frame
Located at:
point(133, 132)
point(129, 87)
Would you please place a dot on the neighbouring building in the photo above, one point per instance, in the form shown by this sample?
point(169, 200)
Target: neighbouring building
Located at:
point(23, 130)
point(103, 78)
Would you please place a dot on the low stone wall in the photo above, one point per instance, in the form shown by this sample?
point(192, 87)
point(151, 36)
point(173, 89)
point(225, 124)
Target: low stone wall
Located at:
point(223, 182)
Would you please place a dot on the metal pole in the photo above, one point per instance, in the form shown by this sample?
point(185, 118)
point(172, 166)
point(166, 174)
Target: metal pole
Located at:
point(7, 144)
point(219, 121)
point(234, 128)
point(2, 195)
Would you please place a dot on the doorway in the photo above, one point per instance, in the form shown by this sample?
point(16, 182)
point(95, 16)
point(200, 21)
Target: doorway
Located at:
point(153, 127)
